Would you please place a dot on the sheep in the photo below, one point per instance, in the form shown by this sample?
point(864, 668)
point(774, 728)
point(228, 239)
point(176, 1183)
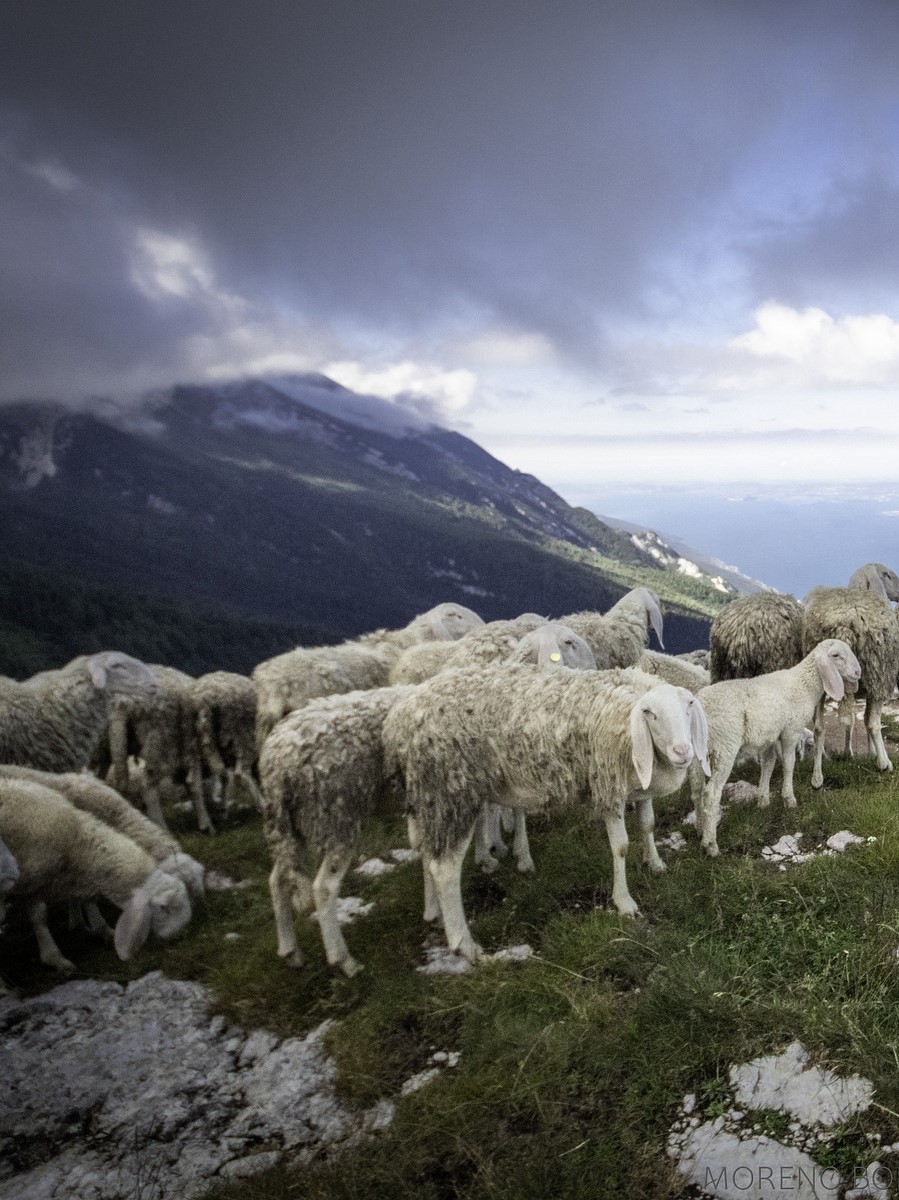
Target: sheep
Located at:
point(618, 637)
point(290, 680)
point(66, 854)
point(678, 671)
point(90, 795)
point(9, 869)
point(875, 577)
point(764, 714)
point(527, 739)
point(755, 635)
point(159, 731)
point(491, 643)
point(699, 658)
point(55, 721)
point(868, 625)
point(322, 776)
point(222, 707)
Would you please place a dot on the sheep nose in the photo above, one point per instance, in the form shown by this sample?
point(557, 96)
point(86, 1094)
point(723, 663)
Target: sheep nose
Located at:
point(682, 752)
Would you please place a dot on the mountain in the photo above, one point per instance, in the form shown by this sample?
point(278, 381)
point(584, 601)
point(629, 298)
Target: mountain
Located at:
point(298, 504)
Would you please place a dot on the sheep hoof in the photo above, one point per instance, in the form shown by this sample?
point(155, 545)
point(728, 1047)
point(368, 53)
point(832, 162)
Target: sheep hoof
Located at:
point(489, 864)
point(887, 766)
point(293, 958)
point(790, 801)
point(431, 917)
point(500, 849)
point(818, 784)
point(657, 867)
point(350, 967)
point(711, 849)
point(471, 950)
point(63, 965)
point(526, 865)
point(763, 801)
point(628, 908)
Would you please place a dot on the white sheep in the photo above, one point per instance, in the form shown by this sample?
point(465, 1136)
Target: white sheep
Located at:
point(875, 577)
point(678, 671)
point(528, 740)
point(617, 638)
point(869, 626)
point(222, 709)
point(288, 681)
point(55, 720)
point(65, 854)
point(323, 776)
point(494, 642)
point(764, 714)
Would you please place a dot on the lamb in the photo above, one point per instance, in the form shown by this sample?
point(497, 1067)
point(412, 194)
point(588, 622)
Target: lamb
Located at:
point(66, 854)
point(159, 731)
point(222, 706)
point(618, 637)
point(755, 635)
point(868, 625)
point(528, 739)
point(90, 795)
point(290, 680)
point(678, 671)
point(764, 714)
point(55, 721)
point(322, 774)
point(491, 643)
point(875, 577)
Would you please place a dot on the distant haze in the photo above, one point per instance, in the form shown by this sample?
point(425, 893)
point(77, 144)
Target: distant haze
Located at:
point(790, 538)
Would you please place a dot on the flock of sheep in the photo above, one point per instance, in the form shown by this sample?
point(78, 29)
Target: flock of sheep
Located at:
point(463, 726)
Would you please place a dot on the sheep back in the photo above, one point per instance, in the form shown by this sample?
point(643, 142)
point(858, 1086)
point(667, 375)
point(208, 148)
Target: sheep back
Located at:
point(869, 627)
point(755, 635)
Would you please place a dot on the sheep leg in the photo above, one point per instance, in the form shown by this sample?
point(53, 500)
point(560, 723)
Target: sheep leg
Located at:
point(497, 845)
point(520, 845)
point(250, 784)
point(817, 773)
point(50, 954)
point(326, 889)
point(432, 904)
point(710, 805)
point(846, 713)
point(195, 787)
point(767, 759)
point(788, 754)
point(96, 922)
point(647, 827)
point(507, 817)
point(618, 843)
point(280, 886)
point(875, 733)
point(447, 873)
point(484, 841)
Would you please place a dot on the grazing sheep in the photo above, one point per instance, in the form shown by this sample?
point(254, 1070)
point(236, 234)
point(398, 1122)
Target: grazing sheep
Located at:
point(222, 706)
point(868, 625)
point(677, 671)
point(755, 635)
point(618, 637)
point(322, 774)
point(531, 739)
point(290, 680)
point(491, 643)
point(90, 795)
point(158, 730)
point(764, 714)
point(55, 720)
point(65, 854)
point(875, 577)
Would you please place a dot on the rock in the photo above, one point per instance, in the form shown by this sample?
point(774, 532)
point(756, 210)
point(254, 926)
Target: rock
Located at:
point(813, 1095)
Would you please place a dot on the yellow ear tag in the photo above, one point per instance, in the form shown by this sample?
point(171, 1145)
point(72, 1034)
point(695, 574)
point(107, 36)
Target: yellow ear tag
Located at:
point(555, 656)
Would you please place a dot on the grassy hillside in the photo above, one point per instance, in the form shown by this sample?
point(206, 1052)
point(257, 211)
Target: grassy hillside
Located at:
point(573, 1064)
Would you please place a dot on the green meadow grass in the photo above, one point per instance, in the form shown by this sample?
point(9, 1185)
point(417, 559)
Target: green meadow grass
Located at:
point(572, 1064)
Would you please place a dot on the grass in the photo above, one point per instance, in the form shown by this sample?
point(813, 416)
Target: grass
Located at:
point(572, 1064)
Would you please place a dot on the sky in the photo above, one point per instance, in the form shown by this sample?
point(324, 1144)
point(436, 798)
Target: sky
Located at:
point(617, 243)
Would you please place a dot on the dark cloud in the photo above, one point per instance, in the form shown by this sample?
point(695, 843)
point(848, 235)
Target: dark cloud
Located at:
point(384, 167)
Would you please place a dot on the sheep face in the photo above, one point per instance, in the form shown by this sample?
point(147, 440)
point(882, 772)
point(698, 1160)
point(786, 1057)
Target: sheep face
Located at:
point(449, 622)
point(668, 724)
point(160, 905)
point(838, 667)
point(890, 581)
point(121, 675)
point(191, 873)
point(556, 645)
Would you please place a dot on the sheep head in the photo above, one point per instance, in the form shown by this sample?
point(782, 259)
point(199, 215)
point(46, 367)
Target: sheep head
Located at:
point(555, 645)
point(838, 667)
point(449, 622)
point(161, 905)
point(121, 675)
point(669, 723)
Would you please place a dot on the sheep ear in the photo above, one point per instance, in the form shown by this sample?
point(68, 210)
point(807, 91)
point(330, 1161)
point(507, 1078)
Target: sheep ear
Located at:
point(699, 736)
point(655, 616)
point(642, 753)
point(830, 676)
point(97, 672)
point(133, 926)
